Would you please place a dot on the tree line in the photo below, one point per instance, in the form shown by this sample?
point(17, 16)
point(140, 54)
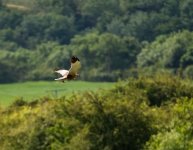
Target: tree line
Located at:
point(111, 37)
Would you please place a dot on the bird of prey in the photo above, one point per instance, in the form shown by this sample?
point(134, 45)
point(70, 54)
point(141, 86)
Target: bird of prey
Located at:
point(72, 73)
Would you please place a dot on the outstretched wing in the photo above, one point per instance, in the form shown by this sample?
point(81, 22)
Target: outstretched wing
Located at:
point(74, 68)
point(64, 74)
point(61, 78)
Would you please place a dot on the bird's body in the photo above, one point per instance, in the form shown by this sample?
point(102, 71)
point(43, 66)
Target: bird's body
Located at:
point(72, 73)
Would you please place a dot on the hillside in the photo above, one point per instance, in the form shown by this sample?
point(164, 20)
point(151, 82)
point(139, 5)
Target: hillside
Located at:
point(113, 39)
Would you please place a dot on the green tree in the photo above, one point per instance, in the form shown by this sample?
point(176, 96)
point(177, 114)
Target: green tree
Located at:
point(10, 72)
point(177, 136)
point(46, 58)
point(109, 49)
point(65, 7)
point(10, 18)
point(172, 52)
point(35, 29)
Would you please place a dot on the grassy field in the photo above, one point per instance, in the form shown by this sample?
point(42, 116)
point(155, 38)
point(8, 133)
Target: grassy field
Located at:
point(34, 90)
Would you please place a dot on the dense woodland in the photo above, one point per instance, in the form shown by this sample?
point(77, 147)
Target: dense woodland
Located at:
point(112, 38)
point(146, 45)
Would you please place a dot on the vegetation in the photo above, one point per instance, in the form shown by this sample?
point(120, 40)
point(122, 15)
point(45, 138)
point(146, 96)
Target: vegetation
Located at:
point(125, 117)
point(146, 45)
point(110, 38)
point(30, 91)
point(173, 52)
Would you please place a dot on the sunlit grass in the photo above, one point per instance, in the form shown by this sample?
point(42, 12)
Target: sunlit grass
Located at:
point(34, 90)
point(19, 7)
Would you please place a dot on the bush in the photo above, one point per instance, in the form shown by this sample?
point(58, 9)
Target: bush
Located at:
point(177, 134)
point(160, 89)
point(119, 118)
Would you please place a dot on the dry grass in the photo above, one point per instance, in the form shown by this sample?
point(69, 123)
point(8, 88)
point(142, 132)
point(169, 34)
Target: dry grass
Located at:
point(18, 7)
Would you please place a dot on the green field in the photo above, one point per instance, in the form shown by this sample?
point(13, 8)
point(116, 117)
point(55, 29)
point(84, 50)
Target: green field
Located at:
point(34, 90)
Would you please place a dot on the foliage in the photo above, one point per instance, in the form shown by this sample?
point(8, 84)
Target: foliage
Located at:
point(38, 28)
point(173, 52)
point(47, 57)
point(108, 49)
point(178, 134)
point(113, 39)
point(119, 118)
point(10, 72)
point(161, 89)
point(120, 33)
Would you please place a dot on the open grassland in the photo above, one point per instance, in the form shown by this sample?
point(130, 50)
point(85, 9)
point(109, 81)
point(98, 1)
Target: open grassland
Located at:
point(34, 90)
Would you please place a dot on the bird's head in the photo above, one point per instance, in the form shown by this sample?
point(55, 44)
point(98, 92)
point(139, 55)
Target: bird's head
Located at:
point(74, 59)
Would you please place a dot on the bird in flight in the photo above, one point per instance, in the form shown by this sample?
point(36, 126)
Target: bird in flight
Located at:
point(72, 73)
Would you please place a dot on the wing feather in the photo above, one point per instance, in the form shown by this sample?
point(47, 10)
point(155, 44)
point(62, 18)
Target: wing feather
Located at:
point(61, 78)
point(62, 72)
point(74, 68)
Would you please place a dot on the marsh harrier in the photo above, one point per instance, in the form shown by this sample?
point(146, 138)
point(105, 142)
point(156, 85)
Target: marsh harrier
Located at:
point(72, 73)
